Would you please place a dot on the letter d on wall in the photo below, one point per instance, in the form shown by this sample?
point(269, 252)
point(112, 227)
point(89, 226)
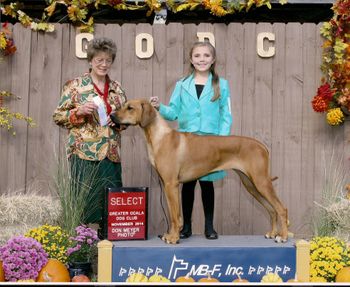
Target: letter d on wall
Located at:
point(260, 45)
point(79, 51)
point(202, 36)
point(149, 46)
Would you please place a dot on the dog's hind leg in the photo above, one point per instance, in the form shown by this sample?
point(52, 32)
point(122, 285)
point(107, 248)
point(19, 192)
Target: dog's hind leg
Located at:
point(264, 187)
point(253, 191)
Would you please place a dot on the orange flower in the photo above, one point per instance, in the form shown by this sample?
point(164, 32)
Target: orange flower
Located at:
point(319, 104)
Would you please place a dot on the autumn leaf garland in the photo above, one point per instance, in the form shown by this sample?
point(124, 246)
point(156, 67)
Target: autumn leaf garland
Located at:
point(333, 96)
point(7, 45)
point(80, 12)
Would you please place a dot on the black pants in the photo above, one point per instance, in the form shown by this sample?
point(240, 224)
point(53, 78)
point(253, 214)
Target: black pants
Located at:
point(208, 200)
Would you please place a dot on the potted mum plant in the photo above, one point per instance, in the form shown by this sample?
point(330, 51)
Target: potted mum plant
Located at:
point(82, 251)
point(53, 239)
point(22, 258)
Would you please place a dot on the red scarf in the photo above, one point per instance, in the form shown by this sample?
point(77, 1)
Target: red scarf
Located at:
point(104, 95)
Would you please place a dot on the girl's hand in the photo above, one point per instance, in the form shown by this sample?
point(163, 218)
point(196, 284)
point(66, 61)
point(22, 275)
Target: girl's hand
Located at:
point(154, 102)
point(86, 109)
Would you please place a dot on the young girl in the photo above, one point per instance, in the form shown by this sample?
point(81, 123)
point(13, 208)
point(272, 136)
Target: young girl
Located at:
point(201, 104)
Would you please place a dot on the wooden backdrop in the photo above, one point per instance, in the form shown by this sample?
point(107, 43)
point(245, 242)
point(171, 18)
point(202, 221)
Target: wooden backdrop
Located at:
point(270, 100)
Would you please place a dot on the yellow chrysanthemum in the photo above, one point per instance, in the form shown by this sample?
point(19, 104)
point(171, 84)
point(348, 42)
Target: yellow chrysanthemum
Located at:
point(53, 239)
point(335, 116)
point(3, 42)
point(327, 256)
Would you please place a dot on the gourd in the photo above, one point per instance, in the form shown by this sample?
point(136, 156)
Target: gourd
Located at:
point(158, 278)
point(54, 271)
point(26, 280)
point(208, 279)
point(137, 277)
point(295, 279)
point(271, 278)
point(2, 273)
point(240, 280)
point(186, 278)
point(81, 278)
point(343, 275)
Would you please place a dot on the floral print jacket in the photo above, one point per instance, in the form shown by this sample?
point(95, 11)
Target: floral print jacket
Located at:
point(87, 138)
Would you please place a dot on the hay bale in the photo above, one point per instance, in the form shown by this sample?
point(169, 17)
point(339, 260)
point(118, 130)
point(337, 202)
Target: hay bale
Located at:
point(22, 212)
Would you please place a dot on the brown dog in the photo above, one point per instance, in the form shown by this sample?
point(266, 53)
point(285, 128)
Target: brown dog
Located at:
point(177, 158)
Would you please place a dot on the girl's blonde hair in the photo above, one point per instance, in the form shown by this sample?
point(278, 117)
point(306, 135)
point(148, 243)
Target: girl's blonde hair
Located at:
point(215, 78)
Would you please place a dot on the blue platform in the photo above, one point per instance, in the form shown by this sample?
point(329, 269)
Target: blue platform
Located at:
point(249, 256)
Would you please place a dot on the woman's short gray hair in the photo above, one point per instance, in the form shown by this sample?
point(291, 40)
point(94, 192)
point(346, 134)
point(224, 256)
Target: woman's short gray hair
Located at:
point(101, 45)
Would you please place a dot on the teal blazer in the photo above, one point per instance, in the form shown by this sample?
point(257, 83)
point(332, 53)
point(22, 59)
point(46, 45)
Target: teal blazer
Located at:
point(200, 116)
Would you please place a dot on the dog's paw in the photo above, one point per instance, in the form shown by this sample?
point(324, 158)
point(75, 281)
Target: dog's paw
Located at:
point(270, 235)
point(167, 238)
point(279, 239)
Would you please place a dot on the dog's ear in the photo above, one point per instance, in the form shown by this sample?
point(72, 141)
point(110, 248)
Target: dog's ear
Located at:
point(148, 114)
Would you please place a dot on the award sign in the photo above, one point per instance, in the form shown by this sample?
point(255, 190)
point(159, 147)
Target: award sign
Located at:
point(127, 213)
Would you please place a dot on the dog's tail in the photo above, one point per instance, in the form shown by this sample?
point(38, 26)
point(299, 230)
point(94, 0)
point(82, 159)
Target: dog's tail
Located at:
point(274, 178)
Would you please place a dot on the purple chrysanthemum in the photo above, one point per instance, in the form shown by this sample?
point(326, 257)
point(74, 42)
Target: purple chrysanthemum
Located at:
point(22, 258)
point(82, 244)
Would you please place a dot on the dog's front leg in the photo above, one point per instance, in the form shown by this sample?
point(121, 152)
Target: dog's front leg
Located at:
point(172, 197)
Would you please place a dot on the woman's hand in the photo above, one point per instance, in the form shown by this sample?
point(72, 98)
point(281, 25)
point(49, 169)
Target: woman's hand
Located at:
point(154, 102)
point(86, 109)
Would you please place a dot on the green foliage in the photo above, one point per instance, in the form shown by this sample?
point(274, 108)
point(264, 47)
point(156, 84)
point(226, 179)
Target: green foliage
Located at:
point(73, 194)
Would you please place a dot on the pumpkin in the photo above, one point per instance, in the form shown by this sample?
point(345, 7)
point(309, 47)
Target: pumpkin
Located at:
point(271, 278)
point(343, 275)
point(54, 271)
point(2, 273)
point(240, 280)
point(80, 278)
point(137, 277)
point(186, 278)
point(26, 280)
point(295, 279)
point(158, 278)
point(208, 279)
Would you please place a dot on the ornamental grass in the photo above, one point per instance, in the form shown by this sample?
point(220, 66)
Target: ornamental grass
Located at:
point(73, 194)
point(332, 211)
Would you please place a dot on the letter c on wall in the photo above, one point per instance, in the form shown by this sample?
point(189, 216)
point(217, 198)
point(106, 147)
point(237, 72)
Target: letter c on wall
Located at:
point(149, 46)
point(270, 52)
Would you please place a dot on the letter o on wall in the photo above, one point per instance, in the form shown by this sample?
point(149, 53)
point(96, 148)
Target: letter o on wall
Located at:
point(79, 51)
point(270, 52)
point(140, 53)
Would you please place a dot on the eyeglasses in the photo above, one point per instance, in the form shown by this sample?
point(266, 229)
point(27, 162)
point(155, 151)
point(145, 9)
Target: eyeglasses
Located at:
point(100, 61)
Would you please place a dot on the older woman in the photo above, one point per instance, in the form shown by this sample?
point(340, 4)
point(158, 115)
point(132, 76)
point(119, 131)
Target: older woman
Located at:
point(93, 146)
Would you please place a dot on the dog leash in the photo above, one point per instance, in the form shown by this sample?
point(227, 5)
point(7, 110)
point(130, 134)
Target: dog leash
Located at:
point(161, 204)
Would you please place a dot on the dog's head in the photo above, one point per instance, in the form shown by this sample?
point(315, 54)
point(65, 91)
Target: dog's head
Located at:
point(135, 112)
